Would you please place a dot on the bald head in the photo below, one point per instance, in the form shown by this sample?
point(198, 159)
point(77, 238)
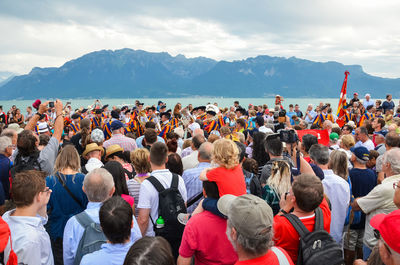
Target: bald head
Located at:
point(198, 132)
point(205, 151)
point(98, 185)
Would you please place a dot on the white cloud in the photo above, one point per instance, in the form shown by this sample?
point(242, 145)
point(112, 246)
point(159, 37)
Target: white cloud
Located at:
point(48, 33)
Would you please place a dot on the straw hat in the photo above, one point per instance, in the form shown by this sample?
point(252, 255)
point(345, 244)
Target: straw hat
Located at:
point(92, 147)
point(113, 149)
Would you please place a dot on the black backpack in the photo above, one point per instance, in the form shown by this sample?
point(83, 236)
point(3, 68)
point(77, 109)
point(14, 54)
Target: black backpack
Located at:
point(170, 204)
point(22, 165)
point(317, 247)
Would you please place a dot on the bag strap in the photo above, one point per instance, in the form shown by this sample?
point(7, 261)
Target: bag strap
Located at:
point(68, 190)
point(297, 224)
point(281, 257)
point(157, 185)
point(84, 219)
point(319, 220)
point(195, 199)
point(175, 181)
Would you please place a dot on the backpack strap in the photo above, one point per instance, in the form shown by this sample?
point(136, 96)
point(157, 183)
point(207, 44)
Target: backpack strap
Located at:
point(194, 199)
point(282, 260)
point(297, 224)
point(68, 190)
point(84, 219)
point(319, 220)
point(175, 181)
point(157, 185)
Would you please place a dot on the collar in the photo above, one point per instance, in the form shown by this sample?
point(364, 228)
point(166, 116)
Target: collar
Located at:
point(328, 172)
point(34, 221)
point(204, 164)
point(391, 178)
point(116, 247)
point(159, 171)
point(94, 205)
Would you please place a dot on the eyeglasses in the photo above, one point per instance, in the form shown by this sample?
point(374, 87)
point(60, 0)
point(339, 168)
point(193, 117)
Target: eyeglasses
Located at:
point(396, 185)
point(47, 189)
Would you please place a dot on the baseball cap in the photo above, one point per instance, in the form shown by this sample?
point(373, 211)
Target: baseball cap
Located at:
point(97, 136)
point(360, 152)
point(388, 226)
point(250, 215)
point(115, 125)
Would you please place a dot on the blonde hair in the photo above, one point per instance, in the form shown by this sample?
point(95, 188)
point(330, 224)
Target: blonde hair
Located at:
point(338, 163)
point(225, 153)
point(279, 180)
point(140, 160)
point(348, 141)
point(67, 158)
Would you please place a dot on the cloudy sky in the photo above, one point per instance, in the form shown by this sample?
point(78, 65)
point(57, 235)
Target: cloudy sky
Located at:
point(50, 32)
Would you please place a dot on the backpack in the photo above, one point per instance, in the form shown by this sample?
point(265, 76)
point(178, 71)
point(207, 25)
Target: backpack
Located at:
point(21, 165)
point(316, 247)
point(170, 204)
point(253, 185)
point(92, 238)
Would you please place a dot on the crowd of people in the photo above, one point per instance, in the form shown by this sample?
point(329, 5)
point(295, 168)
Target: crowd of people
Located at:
point(200, 185)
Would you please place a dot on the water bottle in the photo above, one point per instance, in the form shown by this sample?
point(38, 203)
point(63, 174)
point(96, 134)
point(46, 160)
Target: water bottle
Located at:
point(160, 223)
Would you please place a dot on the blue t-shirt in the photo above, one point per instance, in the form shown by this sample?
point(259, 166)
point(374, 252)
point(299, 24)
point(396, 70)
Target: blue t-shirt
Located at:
point(362, 182)
point(290, 114)
point(61, 205)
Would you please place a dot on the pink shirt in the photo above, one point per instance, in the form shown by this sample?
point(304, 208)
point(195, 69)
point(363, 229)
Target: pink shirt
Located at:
point(128, 199)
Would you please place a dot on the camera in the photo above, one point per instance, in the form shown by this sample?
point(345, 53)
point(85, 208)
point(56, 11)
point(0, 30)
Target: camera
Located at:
point(51, 104)
point(288, 136)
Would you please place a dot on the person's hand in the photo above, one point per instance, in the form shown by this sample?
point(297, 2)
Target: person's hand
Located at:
point(286, 203)
point(59, 107)
point(359, 262)
point(43, 107)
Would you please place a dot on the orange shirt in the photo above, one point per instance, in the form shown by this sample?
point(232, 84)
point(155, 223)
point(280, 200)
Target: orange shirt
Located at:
point(286, 237)
point(229, 181)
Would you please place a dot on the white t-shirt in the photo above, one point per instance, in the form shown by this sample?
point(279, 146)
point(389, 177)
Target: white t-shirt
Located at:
point(148, 195)
point(368, 144)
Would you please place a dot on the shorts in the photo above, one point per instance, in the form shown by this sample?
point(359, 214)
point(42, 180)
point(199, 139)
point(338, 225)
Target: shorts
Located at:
point(353, 239)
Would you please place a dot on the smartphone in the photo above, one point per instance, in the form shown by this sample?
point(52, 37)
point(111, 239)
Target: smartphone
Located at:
point(51, 104)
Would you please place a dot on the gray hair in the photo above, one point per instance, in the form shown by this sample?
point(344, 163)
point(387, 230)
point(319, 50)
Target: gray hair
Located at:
point(205, 151)
point(392, 157)
point(360, 161)
point(97, 185)
point(253, 246)
point(319, 153)
point(4, 143)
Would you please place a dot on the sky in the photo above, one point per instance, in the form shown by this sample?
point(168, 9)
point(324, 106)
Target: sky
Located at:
point(48, 33)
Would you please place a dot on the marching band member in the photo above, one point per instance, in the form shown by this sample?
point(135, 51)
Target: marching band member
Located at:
point(165, 125)
point(74, 125)
point(97, 120)
point(367, 116)
point(323, 116)
point(213, 121)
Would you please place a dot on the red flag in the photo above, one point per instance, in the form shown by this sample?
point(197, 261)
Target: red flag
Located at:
point(341, 112)
point(322, 135)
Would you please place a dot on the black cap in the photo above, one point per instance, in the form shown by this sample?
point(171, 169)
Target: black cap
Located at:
point(98, 111)
point(141, 103)
point(370, 107)
point(163, 107)
point(84, 110)
point(203, 108)
point(75, 116)
point(324, 107)
point(167, 114)
point(114, 114)
point(211, 112)
point(152, 108)
point(105, 106)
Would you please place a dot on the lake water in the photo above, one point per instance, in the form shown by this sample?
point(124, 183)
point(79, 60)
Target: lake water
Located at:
point(196, 101)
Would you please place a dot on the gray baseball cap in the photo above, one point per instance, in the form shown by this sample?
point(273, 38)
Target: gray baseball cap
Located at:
point(250, 215)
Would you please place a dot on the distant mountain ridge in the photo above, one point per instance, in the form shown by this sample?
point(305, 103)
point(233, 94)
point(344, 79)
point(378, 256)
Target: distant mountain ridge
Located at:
point(135, 73)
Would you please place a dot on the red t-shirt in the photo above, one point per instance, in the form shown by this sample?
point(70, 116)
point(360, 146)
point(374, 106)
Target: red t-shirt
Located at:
point(286, 237)
point(205, 238)
point(229, 181)
point(270, 258)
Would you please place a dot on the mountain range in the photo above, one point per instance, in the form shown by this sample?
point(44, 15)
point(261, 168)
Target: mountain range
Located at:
point(128, 73)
